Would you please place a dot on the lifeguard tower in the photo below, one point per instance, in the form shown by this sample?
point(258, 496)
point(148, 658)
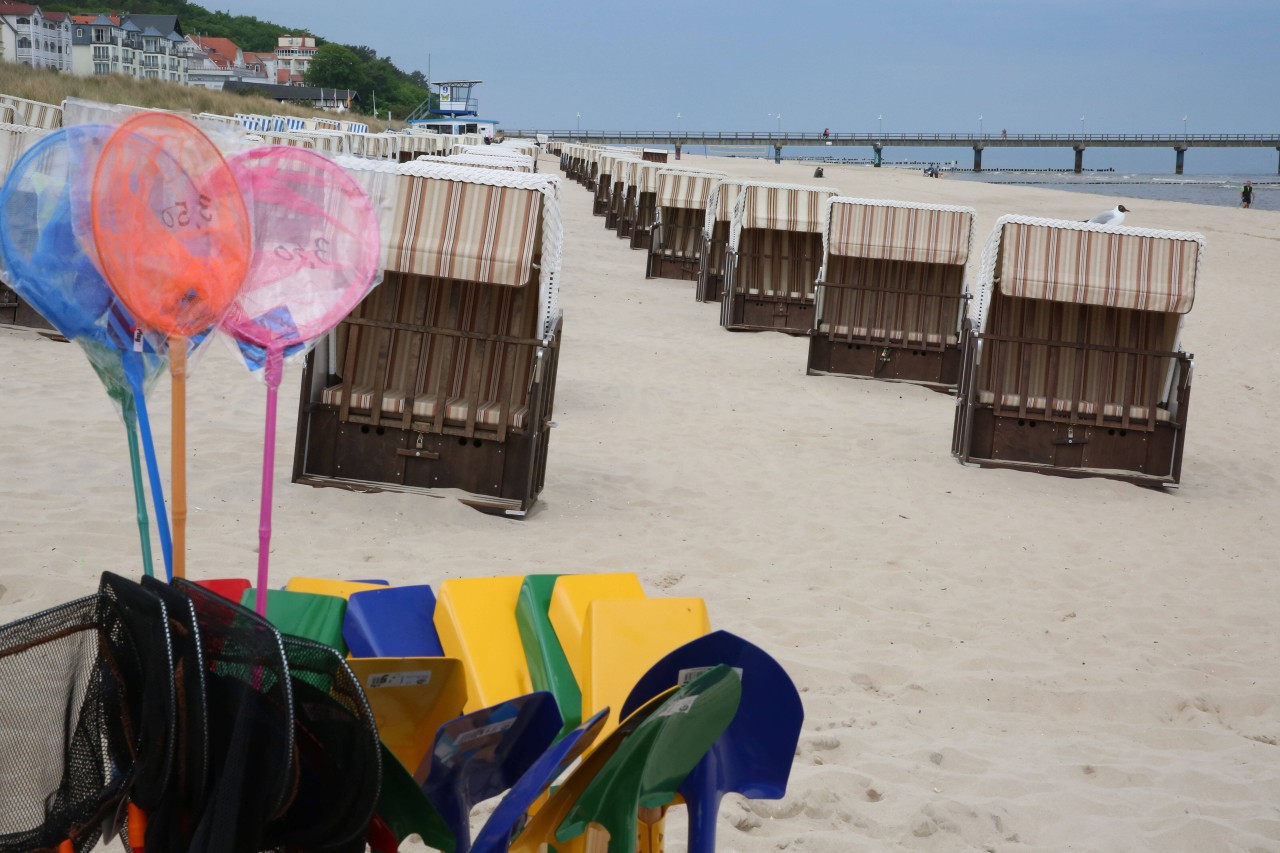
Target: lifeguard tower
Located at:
point(456, 111)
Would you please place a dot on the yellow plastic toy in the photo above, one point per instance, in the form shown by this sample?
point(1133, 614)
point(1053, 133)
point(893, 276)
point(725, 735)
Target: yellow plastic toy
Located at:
point(325, 586)
point(568, 610)
point(410, 699)
point(625, 637)
point(476, 621)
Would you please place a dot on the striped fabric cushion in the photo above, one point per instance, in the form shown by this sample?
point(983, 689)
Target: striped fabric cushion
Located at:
point(880, 335)
point(921, 300)
point(456, 411)
point(460, 230)
point(1066, 407)
point(685, 189)
point(917, 233)
point(1038, 371)
point(1098, 267)
point(779, 209)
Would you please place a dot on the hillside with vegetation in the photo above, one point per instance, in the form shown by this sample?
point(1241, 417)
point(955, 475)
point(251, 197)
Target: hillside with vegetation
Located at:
point(337, 66)
point(51, 87)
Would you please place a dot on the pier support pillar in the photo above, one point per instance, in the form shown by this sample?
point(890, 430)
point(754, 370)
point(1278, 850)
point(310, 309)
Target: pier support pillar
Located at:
point(1177, 165)
point(677, 150)
point(777, 154)
point(1278, 161)
point(878, 149)
point(977, 158)
point(1079, 149)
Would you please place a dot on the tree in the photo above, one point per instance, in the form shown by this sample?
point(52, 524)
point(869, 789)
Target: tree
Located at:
point(337, 67)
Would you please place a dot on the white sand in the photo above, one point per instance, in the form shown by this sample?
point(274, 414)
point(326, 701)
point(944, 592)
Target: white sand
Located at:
point(989, 660)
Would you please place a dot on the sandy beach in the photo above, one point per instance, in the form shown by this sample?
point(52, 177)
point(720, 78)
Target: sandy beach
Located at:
point(989, 660)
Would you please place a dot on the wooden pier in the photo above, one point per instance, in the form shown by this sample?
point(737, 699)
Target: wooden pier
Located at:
point(1078, 142)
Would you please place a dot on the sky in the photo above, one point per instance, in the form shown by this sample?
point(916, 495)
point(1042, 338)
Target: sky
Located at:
point(1026, 66)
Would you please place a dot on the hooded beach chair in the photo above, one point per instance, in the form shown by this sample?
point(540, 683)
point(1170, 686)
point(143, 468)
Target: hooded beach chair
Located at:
point(623, 181)
point(14, 140)
point(1072, 361)
point(675, 249)
point(715, 240)
point(606, 179)
point(644, 207)
point(446, 371)
point(33, 113)
point(775, 253)
point(892, 292)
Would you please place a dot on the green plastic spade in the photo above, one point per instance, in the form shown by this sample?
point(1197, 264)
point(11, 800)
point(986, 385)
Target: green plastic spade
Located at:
point(548, 667)
point(303, 614)
point(653, 761)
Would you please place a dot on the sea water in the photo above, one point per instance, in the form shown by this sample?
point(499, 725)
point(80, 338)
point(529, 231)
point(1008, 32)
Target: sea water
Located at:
point(1219, 190)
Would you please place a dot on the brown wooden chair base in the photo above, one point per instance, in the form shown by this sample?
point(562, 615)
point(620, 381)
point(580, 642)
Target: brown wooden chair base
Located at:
point(665, 266)
point(749, 314)
point(1077, 450)
point(938, 369)
point(500, 477)
point(641, 238)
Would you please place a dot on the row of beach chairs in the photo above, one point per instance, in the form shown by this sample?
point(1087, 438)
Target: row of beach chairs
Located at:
point(1064, 357)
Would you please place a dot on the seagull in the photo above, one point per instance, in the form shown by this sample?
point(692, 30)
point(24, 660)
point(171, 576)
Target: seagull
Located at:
point(1110, 217)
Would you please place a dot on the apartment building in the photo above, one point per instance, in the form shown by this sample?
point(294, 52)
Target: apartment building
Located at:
point(293, 58)
point(151, 47)
point(29, 36)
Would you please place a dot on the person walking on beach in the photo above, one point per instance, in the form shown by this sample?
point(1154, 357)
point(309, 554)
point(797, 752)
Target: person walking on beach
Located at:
point(1246, 195)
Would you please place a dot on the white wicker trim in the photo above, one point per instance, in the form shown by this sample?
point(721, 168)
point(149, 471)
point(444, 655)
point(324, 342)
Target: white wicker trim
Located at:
point(552, 223)
point(713, 202)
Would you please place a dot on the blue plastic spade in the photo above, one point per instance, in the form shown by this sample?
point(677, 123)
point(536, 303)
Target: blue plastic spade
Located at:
point(45, 263)
point(395, 622)
point(495, 835)
point(479, 755)
point(753, 757)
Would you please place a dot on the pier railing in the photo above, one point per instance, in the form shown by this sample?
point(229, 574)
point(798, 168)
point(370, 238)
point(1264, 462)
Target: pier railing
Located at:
point(1179, 142)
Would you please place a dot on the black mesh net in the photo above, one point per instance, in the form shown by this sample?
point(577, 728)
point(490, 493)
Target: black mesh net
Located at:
point(68, 739)
point(171, 821)
point(252, 770)
point(339, 758)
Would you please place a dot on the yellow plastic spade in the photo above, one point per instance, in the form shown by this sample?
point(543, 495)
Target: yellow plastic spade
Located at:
point(410, 699)
point(568, 611)
point(325, 586)
point(623, 638)
point(476, 621)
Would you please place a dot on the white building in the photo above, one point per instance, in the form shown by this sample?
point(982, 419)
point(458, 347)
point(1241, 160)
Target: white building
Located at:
point(293, 58)
point(148, 46)
point(31, 37)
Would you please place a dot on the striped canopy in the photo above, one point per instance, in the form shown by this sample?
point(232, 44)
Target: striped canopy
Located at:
point(686, 189)
point(899, 231)
point(1116, 267)
point(782, 207)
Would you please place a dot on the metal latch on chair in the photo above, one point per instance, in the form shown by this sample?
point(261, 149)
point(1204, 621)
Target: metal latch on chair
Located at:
point(1071, 437)
point(417, 452)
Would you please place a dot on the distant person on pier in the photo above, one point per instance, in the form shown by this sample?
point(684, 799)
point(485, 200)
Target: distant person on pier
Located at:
point(826, 133)
point(1004, 134)
point(1246, 195)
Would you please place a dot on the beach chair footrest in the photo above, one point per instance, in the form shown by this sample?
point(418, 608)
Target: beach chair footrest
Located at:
point(1148, 457)
point(938, 369)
